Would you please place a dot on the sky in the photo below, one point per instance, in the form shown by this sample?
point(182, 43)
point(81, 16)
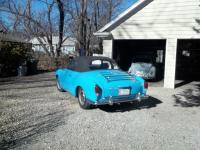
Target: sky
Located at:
point(124, 5)
point(127, 3)
point(38, 6)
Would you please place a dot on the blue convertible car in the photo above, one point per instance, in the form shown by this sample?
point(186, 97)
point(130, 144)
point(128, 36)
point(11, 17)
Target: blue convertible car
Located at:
point(99, 81)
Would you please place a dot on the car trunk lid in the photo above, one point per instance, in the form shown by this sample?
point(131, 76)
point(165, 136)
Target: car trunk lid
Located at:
point(114, 79)
point(116, 75)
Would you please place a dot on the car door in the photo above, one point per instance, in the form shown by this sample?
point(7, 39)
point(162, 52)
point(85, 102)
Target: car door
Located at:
point(67, 73)
point(71, 76)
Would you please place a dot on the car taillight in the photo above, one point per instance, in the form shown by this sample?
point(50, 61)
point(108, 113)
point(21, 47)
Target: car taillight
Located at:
point(146, 85)
point(97, 90)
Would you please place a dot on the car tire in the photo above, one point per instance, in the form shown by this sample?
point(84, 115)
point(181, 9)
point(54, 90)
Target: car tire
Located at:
point(58, 85)
point(82, 99)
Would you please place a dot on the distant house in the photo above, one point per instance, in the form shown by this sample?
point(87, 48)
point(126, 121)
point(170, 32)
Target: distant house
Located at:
point(3, 29)
point(12, 37)
point(165, 31)
point(68, 45)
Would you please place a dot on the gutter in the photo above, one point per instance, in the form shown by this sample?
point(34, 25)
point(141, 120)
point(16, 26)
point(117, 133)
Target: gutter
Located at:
point(102, 34)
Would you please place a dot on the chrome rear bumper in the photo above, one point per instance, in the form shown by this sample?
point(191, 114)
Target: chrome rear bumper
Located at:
point(119, 99)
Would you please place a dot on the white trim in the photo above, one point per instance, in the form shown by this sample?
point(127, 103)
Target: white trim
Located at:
point(170, 63)
point(122, 15)
point(102, 34)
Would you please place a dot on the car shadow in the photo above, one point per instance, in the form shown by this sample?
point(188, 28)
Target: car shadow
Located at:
point(145, 104)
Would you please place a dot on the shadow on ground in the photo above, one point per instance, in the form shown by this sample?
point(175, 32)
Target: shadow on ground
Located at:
point(27, 115)
point(27, 82)
point(27, 86)
point(145, 104)
point(27, 132)
point(24, 80)
point(182, 83)
point(188, 97)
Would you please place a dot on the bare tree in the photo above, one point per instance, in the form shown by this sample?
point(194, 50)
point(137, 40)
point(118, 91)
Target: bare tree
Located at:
point(39, 24)
point(3, 27)
point(60, 6)
point(88, 16)
point(83, 25)
point(82, 17)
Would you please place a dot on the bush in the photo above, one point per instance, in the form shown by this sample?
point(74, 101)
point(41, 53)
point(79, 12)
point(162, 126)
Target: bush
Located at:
point(12, 55)
point(46, 63)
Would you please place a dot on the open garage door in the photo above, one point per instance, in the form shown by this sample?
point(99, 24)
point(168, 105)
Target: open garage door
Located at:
point(188, 60)
point(126, 52)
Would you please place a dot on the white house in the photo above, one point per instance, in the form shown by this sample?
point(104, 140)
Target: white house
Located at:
point(68, 45)
point(157, 28)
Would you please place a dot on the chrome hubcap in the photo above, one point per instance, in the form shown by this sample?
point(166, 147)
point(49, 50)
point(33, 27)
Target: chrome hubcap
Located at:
point(58, 85)
point(81, 97)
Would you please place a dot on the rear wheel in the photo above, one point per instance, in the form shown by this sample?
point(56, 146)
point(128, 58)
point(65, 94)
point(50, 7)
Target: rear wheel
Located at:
point(82, 99)
point(58, 85)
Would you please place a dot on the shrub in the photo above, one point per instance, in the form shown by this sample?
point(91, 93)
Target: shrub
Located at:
point(46, 63)
point(12, 55)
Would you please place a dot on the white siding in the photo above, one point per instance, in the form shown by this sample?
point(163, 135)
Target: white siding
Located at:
point(170, 68)
point(161, 19)
point(107, 48)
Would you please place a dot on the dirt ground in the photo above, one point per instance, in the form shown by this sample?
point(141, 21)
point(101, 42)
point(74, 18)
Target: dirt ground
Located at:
point(34, 115)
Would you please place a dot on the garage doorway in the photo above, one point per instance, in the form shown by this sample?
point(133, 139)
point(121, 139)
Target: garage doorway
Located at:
point(153, 51)
point(188, 60)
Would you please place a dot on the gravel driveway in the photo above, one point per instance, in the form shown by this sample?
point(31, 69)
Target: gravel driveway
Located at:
point(34, 115)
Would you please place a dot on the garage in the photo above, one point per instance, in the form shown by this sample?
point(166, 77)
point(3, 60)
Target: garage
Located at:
point(126, 52)
point(157, 30)
point(188, 60)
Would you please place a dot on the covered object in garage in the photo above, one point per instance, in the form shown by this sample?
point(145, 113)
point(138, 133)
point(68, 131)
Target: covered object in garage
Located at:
point(174, 22)
point(126, 52)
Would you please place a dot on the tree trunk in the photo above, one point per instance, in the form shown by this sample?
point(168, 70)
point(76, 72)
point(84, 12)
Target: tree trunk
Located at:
point(83, 27)
point(61, 26)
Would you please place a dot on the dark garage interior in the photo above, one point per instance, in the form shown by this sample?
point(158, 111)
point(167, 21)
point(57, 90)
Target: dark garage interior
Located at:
point(188, 60)
point(152, 51)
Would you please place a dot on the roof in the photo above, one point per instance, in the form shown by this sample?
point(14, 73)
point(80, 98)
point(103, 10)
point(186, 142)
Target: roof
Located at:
point(55, 39)
point(13, 37)
point(140, 4)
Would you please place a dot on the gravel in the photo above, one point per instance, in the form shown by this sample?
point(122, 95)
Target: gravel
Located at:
point(34, 115)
